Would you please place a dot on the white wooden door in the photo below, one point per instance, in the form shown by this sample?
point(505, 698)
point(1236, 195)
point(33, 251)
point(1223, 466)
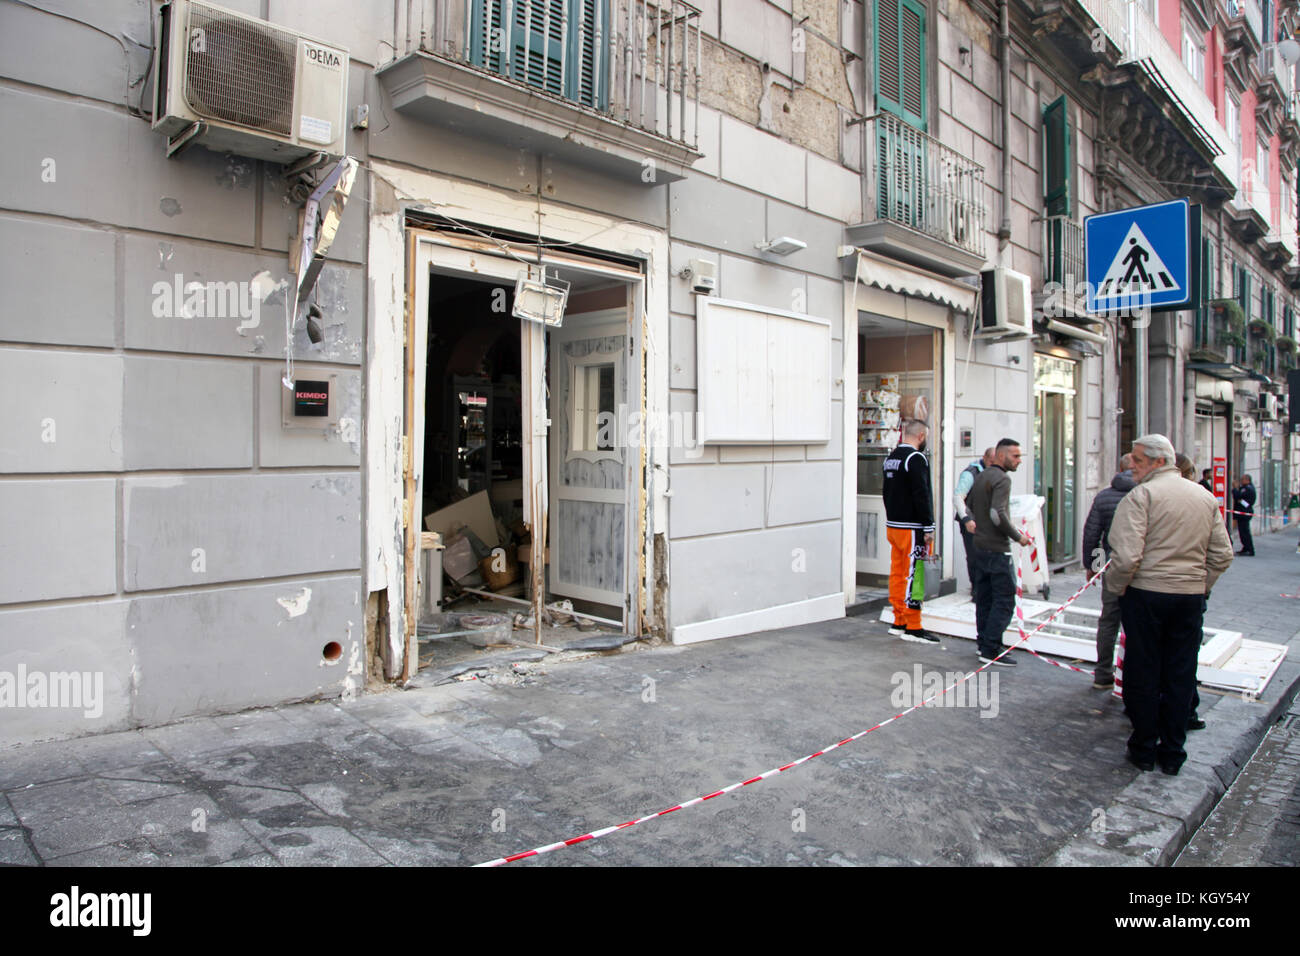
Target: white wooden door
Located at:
point(589, 458)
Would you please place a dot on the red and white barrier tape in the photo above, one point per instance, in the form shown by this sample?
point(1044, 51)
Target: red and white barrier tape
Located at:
point(1020, 614)
point(597, 834)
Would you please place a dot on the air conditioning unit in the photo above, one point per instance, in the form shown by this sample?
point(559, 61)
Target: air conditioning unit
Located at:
point(236, 84)
point(1268, 406)
point(1006, 304)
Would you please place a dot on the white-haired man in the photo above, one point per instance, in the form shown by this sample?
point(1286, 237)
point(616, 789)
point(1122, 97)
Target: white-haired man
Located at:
point(1168, 548)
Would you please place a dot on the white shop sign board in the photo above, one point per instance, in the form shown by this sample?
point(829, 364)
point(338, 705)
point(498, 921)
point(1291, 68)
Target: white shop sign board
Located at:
point(763, 374)
point(1226, 659)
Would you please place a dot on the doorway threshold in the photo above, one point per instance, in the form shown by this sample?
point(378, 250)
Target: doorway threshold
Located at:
point(454, 647)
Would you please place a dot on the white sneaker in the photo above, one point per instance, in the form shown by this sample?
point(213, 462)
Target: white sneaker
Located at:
point(896, 631)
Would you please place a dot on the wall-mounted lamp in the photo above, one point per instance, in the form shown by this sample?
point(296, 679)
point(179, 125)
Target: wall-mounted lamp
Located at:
point(964, 53)
point(782, 246)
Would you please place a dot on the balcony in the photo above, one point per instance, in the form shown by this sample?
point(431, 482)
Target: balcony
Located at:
point(1274, 89)
point(1245, 25)
point(609, 85)
point(1147, 47)
point(1219, 336)
point(1063, 251)
point(925, 203)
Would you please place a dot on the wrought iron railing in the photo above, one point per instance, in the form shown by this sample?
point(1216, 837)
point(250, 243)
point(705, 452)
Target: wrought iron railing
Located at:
point(1063, 252)
point(913, 179)
point(634, 61)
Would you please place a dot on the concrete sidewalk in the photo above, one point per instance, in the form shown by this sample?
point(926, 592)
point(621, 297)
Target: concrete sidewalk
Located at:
point(460, 773)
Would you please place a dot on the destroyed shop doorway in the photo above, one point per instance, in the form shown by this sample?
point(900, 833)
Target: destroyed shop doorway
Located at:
point(518, 428)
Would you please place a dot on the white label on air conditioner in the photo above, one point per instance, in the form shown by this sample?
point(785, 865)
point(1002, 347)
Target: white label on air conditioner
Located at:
point(315, 130)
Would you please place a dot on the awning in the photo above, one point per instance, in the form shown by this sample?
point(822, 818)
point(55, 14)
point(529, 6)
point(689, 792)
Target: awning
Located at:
point(891, 276)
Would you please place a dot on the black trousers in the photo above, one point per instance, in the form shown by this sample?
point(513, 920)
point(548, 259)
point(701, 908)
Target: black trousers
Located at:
point(1243, 532)
point(1163, 636)
point(968, 542)
point(995, 598)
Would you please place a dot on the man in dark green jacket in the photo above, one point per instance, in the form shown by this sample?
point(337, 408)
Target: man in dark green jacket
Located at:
point(989, 504)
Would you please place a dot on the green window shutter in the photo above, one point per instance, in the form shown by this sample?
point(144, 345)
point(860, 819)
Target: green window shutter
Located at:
point(566, 55)
point(1057, 158)
point(901, 60)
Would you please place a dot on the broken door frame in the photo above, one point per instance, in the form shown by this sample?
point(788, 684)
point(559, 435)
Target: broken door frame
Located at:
point(400, 194)
point(457, 254)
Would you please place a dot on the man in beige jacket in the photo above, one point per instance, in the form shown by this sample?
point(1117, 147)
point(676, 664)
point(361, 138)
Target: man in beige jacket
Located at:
point(1168, 548)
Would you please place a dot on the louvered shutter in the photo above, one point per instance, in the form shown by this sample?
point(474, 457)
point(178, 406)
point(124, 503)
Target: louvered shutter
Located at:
point(553, 45)
point(900, 60)
point(537, 43)
point(1057, 159)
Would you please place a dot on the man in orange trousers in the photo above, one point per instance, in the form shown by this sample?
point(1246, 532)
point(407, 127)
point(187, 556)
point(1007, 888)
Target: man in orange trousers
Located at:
point(909, 527)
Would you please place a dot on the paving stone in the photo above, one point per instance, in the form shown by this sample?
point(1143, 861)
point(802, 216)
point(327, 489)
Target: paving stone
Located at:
point(314, 846)
point(258, 859)
point(71, 816)
point(39, 763)
point(14, 848)
point(133, 852)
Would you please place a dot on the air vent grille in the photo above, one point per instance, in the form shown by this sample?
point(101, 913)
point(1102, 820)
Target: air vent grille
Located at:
point(239, 71)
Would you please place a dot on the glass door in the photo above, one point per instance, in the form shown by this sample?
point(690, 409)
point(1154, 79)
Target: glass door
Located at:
point(1054, 452)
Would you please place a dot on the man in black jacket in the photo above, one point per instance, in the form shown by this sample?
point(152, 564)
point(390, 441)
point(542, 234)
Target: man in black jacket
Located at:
point(1096, 552)
point(1243, 502)
point(989, 504)
point(909, 528)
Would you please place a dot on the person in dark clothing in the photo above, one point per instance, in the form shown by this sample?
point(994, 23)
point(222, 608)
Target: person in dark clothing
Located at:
point(995, 577)
point(1207, 479)
point(1168, 548)
point(1096, 551)
point(965, 481)
point(1243, 502)
point(909, 528)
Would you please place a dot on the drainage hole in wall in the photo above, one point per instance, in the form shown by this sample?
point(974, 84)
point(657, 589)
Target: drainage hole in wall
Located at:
point(332, 651)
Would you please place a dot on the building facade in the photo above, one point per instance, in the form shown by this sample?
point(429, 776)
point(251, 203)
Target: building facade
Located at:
point(771, 216)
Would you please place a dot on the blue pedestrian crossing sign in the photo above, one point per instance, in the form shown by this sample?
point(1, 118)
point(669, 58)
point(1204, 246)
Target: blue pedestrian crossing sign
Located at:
point(1139, 258)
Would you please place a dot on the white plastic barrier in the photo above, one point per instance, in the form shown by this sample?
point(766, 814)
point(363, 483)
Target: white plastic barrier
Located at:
point(1027, 514)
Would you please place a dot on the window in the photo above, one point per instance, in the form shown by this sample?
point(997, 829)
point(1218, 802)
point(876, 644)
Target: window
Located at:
point(1232, 122)
point(1241, 287)
point(1057, 163)
point(1209, 291)
point(1194, 55)
point(592, 390)
point(1261, 172)
point(559, 46)
point(900, 60)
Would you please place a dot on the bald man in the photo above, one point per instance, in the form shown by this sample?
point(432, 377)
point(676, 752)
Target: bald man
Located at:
point(909, 526)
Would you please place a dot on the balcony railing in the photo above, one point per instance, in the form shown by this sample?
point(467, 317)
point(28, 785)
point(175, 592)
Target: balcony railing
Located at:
point(1270, 62)
point(914, 180)
point(1063, 252)
point(1145, 42)
point(636, 62)
point(1111, 17)
point(1250, 10)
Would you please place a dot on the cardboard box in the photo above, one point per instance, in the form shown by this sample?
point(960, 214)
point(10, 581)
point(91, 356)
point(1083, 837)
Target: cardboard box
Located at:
point(474, 512)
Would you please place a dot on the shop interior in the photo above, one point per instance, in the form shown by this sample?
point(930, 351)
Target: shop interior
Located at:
point(899, 373)
point(475, 442)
